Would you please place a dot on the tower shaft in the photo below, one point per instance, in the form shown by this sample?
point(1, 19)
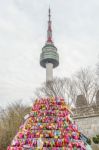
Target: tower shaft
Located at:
point(49, 72)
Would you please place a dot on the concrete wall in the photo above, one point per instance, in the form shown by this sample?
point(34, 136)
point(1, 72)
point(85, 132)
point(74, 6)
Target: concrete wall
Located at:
point(89, 126)
point(87, 119)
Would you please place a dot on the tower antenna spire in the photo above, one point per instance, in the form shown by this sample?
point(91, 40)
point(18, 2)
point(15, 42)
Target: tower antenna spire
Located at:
point(49, 13)
point(49, 31)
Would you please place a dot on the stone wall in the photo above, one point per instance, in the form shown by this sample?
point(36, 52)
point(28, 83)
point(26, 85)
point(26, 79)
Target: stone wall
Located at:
point(89, 126)
point(87, 119)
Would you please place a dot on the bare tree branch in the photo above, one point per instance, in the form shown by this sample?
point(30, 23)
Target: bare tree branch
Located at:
point(59, 87)
point(86, 84)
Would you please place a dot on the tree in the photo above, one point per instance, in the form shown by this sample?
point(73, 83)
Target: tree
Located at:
point(86, 84)
point(59, 87)
point(10, 120)
point(82, 83)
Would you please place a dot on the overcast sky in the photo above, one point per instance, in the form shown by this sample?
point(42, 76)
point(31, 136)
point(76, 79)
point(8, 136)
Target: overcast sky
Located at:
point(23, 26)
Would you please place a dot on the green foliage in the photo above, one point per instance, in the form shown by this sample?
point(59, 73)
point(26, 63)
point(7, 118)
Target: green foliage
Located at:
point(97, 136)
point(96, 139)
point(10, 120)
point(89, 141)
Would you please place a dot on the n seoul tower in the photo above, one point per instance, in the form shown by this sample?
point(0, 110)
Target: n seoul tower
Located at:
point(49, 58)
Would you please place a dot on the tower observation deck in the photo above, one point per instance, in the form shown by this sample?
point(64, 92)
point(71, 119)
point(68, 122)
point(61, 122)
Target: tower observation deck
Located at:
point(49, 57)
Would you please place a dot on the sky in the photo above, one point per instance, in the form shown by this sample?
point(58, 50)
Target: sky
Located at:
point(23, 31)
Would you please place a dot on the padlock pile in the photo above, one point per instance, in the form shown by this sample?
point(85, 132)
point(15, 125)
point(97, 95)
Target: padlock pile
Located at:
point(49, 126)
